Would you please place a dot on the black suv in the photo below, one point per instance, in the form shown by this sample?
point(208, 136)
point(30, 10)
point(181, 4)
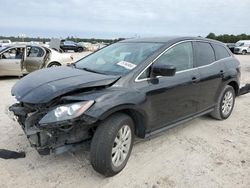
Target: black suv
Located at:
point(70, 45)
point(135, 87)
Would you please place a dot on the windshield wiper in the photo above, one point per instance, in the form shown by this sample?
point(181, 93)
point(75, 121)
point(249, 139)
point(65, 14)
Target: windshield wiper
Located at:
point(91, 70)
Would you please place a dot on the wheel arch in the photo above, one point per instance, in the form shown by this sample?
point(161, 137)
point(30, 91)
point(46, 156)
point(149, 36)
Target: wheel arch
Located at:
point(139, 118)
point(53, 62)
point(235, 85)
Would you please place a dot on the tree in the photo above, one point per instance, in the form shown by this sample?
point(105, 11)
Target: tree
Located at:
point(211, 36)
point(228, 38)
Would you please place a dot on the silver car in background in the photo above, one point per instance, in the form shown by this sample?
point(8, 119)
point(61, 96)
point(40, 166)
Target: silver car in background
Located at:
point(22, 59)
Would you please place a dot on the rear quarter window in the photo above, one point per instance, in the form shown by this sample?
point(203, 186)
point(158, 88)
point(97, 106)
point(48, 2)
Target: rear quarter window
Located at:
point(204, 53)
point(220, 52)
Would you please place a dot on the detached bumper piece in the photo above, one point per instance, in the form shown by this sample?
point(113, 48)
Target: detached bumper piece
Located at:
point(46, 140)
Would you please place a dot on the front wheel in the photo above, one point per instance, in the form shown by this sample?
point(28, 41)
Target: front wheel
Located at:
point(80, 49)
point(112, 144)
point(225, 104)
point(244, 52)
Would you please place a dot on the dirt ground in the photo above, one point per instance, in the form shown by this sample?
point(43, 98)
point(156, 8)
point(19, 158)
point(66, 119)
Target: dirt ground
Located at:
point(201, 153)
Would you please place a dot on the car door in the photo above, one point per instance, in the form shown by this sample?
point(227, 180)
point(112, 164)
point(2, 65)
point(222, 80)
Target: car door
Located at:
point(170, 99)
point(10, 62)
point(211, 72)
point(34, 59)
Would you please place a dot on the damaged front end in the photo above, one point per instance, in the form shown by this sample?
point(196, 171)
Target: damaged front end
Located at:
point(55, 128)
point(51, 122)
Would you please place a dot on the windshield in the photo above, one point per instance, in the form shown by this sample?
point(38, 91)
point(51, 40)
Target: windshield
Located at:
point(3, 48)
point(119, 58)
point(239, 44)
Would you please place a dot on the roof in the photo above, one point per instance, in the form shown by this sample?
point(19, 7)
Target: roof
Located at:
point(169, 39)
point(15, 45)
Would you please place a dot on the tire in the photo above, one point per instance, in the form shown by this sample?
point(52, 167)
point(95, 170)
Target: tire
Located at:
point(219, 112)
point(104, 142)
point(54, 64)
point(64, 50)
point(80, 49)
point(61, 50)
point(244, 52)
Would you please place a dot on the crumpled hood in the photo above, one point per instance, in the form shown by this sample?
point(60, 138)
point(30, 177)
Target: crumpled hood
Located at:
point(44, 85)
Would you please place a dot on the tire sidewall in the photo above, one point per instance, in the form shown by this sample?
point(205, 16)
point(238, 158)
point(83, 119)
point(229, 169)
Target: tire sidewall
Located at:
point(228, 88)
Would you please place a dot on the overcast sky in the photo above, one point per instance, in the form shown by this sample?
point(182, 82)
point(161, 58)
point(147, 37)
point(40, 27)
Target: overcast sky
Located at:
point(123, 18)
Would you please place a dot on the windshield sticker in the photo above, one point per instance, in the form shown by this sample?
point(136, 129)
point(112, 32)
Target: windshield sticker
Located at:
point(126, 65)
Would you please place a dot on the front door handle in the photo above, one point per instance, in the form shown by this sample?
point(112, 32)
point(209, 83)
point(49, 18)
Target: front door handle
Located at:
point(195, 79)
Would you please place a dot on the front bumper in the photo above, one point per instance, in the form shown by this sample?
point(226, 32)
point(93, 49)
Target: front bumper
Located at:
point(237, 51)
point(51, 139)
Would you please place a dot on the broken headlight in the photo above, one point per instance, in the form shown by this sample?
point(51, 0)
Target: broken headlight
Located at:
point(65, 112)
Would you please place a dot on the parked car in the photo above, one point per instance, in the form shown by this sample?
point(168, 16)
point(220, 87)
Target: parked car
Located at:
point(70, 45)
point(242, 47)
point(21, 59)
point(231, 46)
point(4, 42)
point(133, 88)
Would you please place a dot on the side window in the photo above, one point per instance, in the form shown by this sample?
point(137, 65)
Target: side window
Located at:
point(69, 43)
point(19, 53)
point(204, 53)
point(181, 56)
point(13, 53)
point(145, 74)
point(220, 52)
point(9, 54)
point(35, 52)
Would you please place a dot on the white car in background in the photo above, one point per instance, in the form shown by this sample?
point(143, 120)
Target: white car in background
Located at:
point(242, 47)
point(22, 59)
point(4, 42)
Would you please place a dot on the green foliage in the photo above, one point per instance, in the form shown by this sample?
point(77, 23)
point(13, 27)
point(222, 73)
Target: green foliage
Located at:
point(228, 38)
point(223, 38)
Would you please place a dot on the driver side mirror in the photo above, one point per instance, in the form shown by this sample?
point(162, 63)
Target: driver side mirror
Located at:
point(163, 70)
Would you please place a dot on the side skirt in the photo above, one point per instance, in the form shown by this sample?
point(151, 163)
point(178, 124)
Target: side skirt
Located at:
point(157, 131)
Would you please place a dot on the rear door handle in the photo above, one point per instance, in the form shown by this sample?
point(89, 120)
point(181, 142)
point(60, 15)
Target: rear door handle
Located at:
point(222, 72)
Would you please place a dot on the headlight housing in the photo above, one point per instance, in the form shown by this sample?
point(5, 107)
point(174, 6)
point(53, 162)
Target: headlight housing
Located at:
point(66, 112)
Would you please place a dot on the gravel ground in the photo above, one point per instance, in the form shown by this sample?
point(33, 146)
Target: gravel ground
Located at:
point(201, 153)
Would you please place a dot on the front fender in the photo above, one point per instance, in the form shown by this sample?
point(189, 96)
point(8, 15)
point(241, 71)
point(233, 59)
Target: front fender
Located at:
point(111, 100)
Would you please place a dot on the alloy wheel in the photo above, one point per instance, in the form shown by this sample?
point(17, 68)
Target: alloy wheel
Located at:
point(227, 103)
point(121, 146)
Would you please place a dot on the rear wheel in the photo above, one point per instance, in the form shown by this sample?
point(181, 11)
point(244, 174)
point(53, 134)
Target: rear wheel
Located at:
point(54, 64)
point(112, 144)
point(225, 104)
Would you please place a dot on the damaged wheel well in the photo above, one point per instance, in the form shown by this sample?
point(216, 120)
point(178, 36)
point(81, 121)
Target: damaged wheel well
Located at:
point(138, 118)
point(235, 86)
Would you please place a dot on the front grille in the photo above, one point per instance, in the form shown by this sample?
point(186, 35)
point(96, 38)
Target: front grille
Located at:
point(236, 49)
